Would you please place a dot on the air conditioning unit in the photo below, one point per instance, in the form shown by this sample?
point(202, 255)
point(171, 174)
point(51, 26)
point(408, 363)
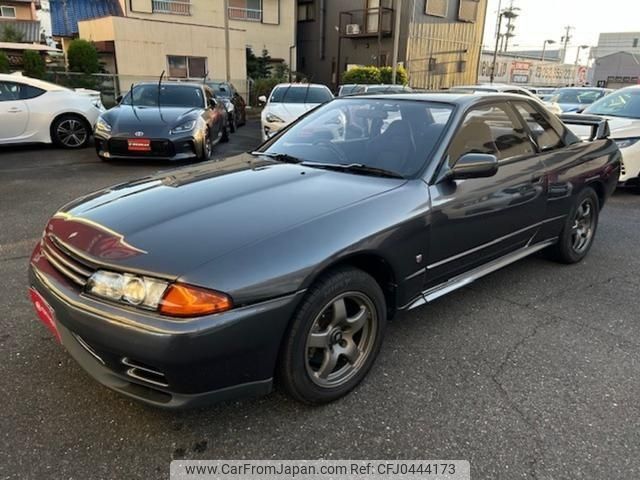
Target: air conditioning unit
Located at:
point(353, 29)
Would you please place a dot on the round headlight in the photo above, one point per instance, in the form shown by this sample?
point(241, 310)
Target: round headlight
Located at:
point(134, 290)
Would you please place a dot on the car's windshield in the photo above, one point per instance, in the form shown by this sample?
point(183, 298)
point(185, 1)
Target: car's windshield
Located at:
point(300, 94)
point(388, 89)
point(576, 95)
point(391, 134)
point(473, 90)
point(623, 103)
point(152, 95)
point(220, 90)
point(351, 90)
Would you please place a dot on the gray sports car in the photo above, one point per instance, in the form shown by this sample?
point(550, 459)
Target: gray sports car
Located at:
point(169, 121)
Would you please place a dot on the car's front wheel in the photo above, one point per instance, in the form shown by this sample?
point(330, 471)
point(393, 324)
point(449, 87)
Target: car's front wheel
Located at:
point(207, 148)
point(579, 229)
point(70, 131)
point(335, 337)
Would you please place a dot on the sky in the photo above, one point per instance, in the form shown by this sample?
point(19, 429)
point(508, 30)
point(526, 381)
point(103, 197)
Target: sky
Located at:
point(546, 19)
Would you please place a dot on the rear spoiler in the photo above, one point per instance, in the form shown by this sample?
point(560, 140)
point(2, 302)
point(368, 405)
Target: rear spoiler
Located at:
point(599, 125)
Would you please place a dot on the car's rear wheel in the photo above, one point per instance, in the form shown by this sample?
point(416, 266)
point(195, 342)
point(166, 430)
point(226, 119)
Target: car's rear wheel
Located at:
point(70, 131)
point(233, 123)
point(335, 337)
point(225, 133)
point(579, 229)
point(207, 148)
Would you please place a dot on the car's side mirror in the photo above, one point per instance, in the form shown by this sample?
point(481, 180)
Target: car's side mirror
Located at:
point(475, 165)
point(212, 103)
point(262, 99)
point(119, 99)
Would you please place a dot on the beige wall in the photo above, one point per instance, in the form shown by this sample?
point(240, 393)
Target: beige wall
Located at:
point(24, 11)
point(142, 46)
point(276, 32)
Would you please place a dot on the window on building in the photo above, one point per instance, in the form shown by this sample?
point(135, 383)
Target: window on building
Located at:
point(250, 10)
point(174, 7)
point(461, 66)
point(187, 67)
point(468, 11)
point(7, 12)
point(306, 11)
point(436, 8)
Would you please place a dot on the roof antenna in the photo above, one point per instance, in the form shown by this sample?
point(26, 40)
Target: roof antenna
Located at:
point(159, 87)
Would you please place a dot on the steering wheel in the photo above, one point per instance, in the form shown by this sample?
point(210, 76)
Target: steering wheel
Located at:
point(330, 146)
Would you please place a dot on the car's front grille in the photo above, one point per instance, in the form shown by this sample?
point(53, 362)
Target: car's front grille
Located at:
point(159, 148)
point(69, 265)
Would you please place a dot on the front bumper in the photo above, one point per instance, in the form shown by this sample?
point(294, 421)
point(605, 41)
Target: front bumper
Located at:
point(167, 362)
point(174, 149)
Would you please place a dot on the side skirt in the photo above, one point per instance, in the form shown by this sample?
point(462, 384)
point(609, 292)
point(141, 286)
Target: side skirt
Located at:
point(471, 276)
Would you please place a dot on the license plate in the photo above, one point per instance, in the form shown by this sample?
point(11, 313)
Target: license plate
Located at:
point(45, 312)
point(139, 145)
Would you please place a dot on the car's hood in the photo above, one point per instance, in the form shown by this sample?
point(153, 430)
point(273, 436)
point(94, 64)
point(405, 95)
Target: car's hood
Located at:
point(290, 111)
point(174, 221)
point(152, 121)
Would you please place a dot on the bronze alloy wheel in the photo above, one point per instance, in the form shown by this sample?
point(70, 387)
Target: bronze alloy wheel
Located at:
point(341, 339)
point(583, 226)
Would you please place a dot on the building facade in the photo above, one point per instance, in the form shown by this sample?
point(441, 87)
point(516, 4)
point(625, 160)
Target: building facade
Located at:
point(139, 39)
point(617, 70)
point(518, 69)
point(439, 40)
point(19, 17)
point(614, 42)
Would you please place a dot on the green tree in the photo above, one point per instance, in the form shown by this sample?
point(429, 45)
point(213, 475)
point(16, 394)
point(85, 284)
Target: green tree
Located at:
point(83, 57)
point(5, 66)
point(362, 75)
point(264, 64)
point(386, 73)
point(11, 34)
point(252, 64)
point(33, 64)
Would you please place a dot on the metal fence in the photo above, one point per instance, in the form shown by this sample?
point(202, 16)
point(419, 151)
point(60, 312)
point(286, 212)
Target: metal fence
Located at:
point(250, 14)
point(175, 7)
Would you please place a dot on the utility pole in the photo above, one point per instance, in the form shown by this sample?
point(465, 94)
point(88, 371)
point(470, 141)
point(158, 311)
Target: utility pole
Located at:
point(227, 46)
point(565, 41)
point(396, 41)
point(511, 13)
point(495, 51)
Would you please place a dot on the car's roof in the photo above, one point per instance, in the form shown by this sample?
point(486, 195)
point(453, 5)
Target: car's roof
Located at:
point(454, 98)
point(173, 83)
point(301, 85)
point(18, 77)
point(486, 86)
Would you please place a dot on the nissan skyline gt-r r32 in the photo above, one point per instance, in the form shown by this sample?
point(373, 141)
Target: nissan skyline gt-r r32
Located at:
point(209, 282)
point(166, 121)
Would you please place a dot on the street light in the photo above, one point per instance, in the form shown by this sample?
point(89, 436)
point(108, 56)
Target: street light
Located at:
point(544, 47)
point(580, 48)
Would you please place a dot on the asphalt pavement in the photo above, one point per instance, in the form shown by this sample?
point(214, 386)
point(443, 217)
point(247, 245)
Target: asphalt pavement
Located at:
point(530, 373)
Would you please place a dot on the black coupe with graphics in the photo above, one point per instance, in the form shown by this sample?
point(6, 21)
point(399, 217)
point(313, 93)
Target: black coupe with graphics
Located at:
point(282, 266)
point(164, 121)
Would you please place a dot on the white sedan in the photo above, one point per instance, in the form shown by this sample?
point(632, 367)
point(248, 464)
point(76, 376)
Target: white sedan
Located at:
point(622, 108)
point(34, 111)
point(287, 102)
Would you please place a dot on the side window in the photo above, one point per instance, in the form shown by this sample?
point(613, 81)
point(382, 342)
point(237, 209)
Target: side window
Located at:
point(27, 92)
point(491, 129)
point(9, 92)
point(543, 133)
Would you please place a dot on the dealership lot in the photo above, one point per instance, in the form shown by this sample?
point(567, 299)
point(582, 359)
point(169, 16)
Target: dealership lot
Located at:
point(529, 373)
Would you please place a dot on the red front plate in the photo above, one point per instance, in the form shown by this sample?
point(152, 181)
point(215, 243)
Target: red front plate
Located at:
point(139, 145)
point(45, 312)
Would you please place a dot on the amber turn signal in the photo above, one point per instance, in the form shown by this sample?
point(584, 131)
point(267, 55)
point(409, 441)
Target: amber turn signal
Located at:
point(181, 300)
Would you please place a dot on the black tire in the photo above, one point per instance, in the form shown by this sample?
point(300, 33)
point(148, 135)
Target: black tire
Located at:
point(244, 118)
point(70, 131)
point(225, 133)
point(233, 123)
point(353, 307)
point(577, 235)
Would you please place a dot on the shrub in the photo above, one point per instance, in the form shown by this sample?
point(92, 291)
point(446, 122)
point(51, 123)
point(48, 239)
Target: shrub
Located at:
point(386, 73)
point(5, 66)
point(10, 34)
point(83, 57)
point(33, 64)
point(362, 75)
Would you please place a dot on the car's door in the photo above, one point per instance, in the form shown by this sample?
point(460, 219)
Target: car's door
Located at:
point(479, 219)
point(14, 113)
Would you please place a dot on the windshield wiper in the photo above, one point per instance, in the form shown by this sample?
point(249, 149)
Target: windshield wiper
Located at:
point(279, 157)
point(354, 168)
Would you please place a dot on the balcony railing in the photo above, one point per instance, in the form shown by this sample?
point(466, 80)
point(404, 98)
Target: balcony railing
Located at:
point(368, 22)
point(249, 14)
point(174, 7)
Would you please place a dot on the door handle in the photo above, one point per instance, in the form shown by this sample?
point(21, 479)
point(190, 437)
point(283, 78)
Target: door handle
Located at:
point(14, 110)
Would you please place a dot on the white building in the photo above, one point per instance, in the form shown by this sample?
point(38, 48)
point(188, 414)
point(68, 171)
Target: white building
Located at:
point(615, 42)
